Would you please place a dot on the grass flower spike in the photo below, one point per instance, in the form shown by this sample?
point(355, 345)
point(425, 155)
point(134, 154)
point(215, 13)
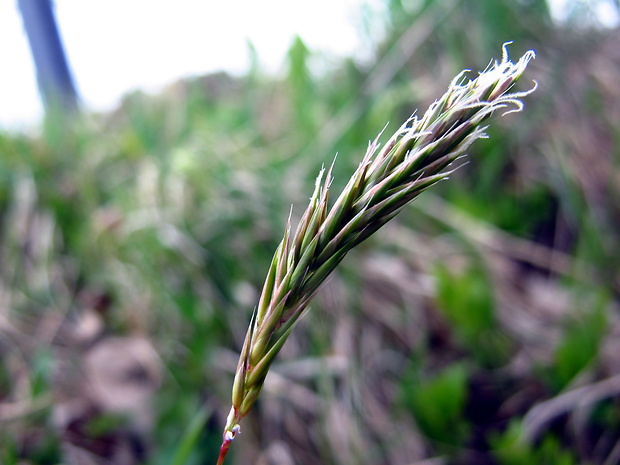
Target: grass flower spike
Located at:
point(416, 157)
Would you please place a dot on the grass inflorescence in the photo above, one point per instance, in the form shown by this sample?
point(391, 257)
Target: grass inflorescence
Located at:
point(416, 157)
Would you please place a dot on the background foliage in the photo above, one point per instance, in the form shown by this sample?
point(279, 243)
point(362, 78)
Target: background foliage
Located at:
point(480, 327)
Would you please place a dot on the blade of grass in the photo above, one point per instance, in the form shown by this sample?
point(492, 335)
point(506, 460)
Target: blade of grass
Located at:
point(191, 435)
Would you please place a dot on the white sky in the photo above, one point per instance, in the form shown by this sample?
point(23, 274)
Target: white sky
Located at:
point(115, 46)
point(119, 45)
point(604, 11)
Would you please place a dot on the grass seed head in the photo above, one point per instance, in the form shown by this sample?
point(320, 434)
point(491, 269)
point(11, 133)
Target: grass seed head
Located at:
point(415, 158)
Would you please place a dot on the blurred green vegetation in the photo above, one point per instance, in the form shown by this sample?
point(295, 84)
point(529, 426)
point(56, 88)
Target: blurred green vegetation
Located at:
point(133, 246)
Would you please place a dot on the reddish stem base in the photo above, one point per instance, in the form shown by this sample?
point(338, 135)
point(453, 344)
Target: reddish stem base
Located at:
point(223, 451)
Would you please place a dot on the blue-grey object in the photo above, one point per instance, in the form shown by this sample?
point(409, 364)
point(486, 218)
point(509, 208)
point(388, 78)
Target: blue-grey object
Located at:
point(53, 74)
